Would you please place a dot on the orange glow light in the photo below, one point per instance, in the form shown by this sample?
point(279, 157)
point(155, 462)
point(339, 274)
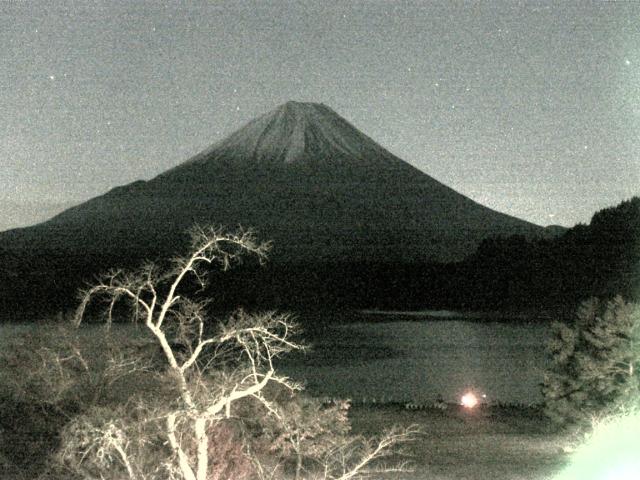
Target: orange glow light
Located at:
point(469, 400)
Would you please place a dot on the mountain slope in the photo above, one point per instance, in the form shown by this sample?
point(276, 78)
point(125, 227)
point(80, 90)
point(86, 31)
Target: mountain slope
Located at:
point(302, 176)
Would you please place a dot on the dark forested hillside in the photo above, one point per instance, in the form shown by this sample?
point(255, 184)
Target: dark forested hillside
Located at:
point(600, 259)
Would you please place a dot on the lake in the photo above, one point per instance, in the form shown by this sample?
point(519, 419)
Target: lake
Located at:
point(414, 358)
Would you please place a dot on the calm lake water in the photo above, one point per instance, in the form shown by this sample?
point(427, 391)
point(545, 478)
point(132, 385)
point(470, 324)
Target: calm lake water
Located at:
point(419, 358)
point(414, 358)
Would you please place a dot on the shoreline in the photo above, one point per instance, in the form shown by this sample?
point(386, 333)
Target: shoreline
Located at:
point(444, 315)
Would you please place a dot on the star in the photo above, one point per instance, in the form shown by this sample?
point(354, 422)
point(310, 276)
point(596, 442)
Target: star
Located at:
point(627, 61)
point(52, 77)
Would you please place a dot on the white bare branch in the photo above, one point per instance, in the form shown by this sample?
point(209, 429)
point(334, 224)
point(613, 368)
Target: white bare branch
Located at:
point(355, 458)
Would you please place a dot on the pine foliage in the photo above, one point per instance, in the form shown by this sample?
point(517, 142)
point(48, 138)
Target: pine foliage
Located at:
point(594, 362)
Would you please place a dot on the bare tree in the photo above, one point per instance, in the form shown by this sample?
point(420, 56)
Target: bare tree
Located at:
point(173, 319)
point(209, 370)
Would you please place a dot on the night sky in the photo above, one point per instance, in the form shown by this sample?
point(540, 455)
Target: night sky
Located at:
point(530, 109)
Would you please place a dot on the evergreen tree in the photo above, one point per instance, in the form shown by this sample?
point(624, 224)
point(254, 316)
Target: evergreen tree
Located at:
point(594, 362)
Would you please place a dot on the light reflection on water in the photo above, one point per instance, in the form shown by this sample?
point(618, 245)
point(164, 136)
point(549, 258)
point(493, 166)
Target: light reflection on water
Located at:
point(420, 360)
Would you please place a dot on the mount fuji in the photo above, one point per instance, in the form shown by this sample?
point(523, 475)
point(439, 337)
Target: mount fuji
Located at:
point(301, 175)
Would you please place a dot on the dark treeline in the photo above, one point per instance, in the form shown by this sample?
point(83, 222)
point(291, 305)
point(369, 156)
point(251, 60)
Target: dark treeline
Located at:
point(600, 259)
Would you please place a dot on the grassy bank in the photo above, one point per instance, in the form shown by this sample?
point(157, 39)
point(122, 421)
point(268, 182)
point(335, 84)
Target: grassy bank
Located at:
point(497, 443)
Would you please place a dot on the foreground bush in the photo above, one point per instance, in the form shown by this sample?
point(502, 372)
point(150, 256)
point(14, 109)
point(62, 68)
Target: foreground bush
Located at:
point(188, 397)
point(51, 374)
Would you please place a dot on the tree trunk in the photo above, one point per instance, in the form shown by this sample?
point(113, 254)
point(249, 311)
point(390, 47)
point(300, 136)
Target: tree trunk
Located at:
point(203, 448)
point(298, 460)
